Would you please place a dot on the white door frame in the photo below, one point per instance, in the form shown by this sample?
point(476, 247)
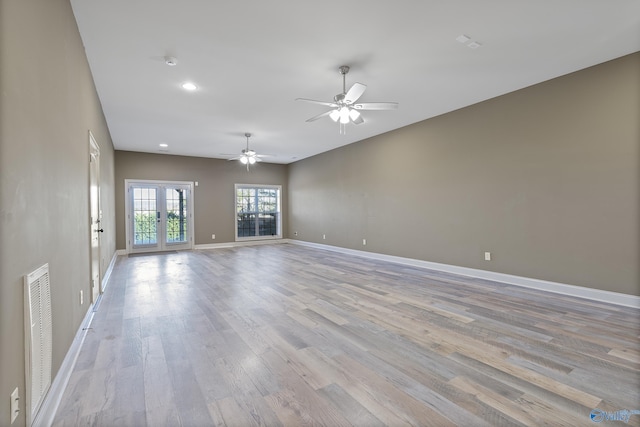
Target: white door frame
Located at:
point(128, 183)
point(95, 218)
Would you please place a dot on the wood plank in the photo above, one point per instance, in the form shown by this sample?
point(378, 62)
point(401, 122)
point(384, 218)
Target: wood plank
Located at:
point(297, 403)
point(160, 404)
point(388, 394)
point(630, 354)
point(353, 411)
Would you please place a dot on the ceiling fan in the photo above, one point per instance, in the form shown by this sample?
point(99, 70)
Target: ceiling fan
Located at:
point(344, 108)
point(248, 157)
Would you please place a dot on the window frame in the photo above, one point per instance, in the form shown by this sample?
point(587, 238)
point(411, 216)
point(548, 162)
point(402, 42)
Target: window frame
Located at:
point(278, 211)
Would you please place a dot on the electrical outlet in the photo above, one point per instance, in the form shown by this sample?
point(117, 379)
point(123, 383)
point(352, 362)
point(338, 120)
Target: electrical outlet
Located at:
point(295, 233)
point(213, 237)
point(364, 242)
point(487, 256)
point(15, 404)
point(81, 297)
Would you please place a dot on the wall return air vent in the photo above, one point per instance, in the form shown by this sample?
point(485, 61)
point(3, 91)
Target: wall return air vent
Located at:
point(38, 339)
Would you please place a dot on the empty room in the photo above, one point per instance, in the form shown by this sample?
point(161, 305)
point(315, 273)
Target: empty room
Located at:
point(355, 213)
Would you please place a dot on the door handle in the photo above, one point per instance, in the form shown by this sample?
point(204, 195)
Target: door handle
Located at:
point(100, 230)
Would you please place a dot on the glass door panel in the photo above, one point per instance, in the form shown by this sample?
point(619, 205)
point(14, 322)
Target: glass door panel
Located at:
point(145, 217)
point(177, 229)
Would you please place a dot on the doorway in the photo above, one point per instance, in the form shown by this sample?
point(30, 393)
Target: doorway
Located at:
point(159, 216)
point(95, 216)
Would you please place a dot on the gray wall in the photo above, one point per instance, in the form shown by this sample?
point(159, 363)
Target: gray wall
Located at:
point(48, 105)
point(545, 178)
point(214, 198)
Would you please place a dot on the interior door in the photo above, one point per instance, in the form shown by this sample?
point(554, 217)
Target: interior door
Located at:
point(96, 216)
point(160, 217)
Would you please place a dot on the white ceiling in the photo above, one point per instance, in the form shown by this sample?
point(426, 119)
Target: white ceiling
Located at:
point(252, 58)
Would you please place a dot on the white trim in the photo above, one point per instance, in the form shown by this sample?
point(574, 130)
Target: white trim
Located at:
point(278, 211)
point(52, 400)
point(107, 273)
point(241, 243)
point(543, 285)
point(159, 247)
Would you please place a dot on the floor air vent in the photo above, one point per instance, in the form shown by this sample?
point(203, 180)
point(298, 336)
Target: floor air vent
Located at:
point(38, 339)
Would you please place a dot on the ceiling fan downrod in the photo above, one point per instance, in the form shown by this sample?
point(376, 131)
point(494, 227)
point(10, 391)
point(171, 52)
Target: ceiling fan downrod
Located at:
point(339, 98)
point(344, 70)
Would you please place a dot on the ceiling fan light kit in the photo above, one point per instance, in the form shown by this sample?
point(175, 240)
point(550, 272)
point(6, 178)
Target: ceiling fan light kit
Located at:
point(248, 157)
point(247, 160)
point(343, 108)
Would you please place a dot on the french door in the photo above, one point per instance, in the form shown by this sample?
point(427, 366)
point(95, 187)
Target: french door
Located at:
point(159, 216)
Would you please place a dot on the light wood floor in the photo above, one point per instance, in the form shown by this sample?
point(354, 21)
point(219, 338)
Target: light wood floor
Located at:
point(289, 335)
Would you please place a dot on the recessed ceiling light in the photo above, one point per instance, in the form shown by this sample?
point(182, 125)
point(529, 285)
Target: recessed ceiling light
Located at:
point(189, 86)
point(164, 145)
point(462, 38)
point(474, 45)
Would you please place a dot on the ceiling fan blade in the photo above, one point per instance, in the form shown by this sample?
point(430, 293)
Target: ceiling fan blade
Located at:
point(376, 106)
point(358, 120)
point(313, 101)
point(319, 116)
point(354, 93)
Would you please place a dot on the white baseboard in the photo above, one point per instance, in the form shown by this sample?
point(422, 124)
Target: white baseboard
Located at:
point(107, 274)
point(543, 285)
point(243, 243)
point(49, 407)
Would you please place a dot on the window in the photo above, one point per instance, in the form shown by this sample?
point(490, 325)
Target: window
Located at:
point(258, 212)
